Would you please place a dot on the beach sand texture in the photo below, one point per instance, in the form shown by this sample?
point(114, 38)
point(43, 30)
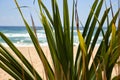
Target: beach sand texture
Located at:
point(32, 56)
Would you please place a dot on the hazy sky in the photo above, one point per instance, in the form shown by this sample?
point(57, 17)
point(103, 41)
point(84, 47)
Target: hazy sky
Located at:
point(9, 15)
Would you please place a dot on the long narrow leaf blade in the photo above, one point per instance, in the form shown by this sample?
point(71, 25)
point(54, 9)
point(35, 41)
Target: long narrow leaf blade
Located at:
point(48, 70)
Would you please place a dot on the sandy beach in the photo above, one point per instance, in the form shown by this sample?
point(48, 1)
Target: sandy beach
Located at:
point(30, 53)
point(32, 56)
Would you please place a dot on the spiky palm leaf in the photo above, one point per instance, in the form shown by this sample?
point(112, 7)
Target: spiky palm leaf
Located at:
point(60, 42)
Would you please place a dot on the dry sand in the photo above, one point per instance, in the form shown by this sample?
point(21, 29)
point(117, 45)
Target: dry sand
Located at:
point(31, 55)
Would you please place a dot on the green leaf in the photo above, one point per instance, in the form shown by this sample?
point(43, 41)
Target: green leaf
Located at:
point(105, 39)
point(9, 71)
point(93, 24)
point(15, 63)
point(46, 10)
point(48, 70)
point(94, 6)
point(97, 33)
point(83, 50)
point(52, 46)
point(89, 18)
point(20, 56)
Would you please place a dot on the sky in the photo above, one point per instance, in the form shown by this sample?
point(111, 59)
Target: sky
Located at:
point(9, 15)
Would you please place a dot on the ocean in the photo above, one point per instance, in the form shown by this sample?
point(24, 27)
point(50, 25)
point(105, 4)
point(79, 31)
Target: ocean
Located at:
point(20, 37)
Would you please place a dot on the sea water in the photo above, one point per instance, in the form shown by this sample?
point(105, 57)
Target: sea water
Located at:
point(20, 37)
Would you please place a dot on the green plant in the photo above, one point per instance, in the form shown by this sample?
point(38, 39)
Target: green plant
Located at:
point(60, 42)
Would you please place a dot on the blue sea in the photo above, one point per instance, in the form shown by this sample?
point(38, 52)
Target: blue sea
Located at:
point(20, 37)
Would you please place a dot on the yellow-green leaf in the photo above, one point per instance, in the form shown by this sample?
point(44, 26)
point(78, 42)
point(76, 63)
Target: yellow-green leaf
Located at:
point(82, 42)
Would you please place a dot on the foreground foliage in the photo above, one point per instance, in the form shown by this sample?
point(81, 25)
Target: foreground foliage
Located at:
point(60, 42)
